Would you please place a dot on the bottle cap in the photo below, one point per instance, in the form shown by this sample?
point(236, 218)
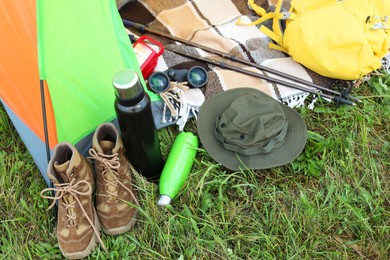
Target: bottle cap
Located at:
point(163, 200)
point(127, 85)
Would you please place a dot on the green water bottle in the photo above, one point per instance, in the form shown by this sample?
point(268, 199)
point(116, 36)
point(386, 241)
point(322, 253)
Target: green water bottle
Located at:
point(177, 167)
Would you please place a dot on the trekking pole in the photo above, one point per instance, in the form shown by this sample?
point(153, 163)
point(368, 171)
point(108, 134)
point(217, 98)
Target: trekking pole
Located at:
point(143, 28)
point(338, 99)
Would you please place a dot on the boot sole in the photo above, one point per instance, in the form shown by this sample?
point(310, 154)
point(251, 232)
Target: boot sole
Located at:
point(123, 229)
point(91, 246)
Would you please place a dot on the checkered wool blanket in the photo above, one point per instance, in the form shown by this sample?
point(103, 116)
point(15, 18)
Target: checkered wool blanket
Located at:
point(213, 24)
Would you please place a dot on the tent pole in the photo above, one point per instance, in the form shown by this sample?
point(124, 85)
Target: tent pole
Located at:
point(45, 120)
point(42, 87)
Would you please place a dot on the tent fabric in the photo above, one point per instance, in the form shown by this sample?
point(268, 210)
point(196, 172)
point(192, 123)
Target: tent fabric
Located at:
point(83, 46)
point(32, 142)
point(19, 75)
point(74, 48)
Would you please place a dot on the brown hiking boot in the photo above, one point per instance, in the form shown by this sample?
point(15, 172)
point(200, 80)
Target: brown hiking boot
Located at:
point(114, 189)
point(77, 224)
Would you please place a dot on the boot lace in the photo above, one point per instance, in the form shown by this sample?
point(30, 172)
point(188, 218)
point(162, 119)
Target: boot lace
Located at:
point(63, 189)
point(110, 163)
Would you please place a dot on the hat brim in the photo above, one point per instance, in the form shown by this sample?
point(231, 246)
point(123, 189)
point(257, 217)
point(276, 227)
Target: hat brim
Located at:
point(292, 147)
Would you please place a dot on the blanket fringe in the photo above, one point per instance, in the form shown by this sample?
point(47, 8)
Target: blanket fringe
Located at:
point(179, 105)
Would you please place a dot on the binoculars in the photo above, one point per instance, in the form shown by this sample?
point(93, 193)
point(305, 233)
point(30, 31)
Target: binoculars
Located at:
point(195, 76)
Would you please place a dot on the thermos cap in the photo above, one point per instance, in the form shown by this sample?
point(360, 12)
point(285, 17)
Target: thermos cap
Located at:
point(163, 200)
point(126, 84)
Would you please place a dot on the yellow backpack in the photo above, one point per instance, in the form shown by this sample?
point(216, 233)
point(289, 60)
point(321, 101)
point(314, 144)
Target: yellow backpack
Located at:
point(343, 39)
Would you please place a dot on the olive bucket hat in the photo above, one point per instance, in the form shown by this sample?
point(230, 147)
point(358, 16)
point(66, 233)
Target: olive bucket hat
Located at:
point(245, 128)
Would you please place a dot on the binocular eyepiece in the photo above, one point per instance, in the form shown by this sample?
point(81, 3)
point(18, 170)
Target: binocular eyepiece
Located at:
point(195, 76)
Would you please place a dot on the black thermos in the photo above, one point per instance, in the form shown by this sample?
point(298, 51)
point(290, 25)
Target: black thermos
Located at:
point(135, 119)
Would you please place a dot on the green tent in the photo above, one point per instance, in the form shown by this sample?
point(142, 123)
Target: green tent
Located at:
point(69, 51)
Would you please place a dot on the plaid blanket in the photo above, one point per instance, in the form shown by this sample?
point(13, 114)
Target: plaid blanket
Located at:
point(213, 24)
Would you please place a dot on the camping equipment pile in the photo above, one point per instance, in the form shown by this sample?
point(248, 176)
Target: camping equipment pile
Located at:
point(56, 85)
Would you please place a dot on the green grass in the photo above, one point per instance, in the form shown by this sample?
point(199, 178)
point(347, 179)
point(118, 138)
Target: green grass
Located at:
point(330, 203)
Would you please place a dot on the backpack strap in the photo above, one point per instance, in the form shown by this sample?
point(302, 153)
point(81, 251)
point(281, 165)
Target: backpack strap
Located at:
point(275, 37)
point(259, 10)
point(276, 34)
point(276, 26)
